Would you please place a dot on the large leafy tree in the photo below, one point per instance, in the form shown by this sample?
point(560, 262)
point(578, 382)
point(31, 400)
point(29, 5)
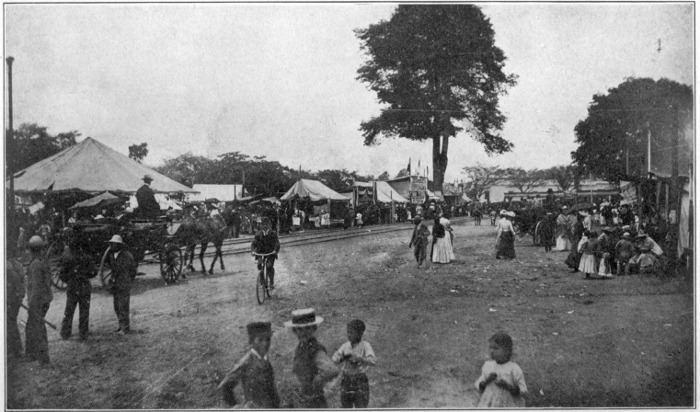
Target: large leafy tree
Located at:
point(613, 138)
point(565, 176)
point(482, 178)
point(33, 143)
point(438, 72)
point(525, 180)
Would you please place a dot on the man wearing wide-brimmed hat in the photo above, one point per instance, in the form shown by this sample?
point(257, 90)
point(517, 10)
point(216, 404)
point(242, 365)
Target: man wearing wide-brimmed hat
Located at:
point(39, 297)
point(148, 205)
point(123, 272)
point(312, 365)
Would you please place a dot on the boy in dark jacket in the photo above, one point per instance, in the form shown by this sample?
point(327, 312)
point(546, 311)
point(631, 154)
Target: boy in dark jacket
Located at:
point(419, 240)
point(254, 372)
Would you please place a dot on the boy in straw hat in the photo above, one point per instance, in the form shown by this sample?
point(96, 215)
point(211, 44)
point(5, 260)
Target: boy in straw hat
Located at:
point(312, 365)
point(39, 298)
point(254, 372)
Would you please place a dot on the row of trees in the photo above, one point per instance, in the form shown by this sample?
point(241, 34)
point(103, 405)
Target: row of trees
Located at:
point(482, 178)
point(261, 176)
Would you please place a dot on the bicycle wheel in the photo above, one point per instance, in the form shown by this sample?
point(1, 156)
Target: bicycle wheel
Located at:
point(261, 285)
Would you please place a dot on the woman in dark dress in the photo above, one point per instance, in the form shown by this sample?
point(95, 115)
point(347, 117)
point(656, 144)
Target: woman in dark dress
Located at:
point(574, 257)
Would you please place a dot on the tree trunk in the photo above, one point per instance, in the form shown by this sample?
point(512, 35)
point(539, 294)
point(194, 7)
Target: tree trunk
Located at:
point(440, 146)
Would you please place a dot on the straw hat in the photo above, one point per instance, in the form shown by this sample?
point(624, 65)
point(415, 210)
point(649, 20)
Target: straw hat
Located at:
point(302, 318)
point(36, 242)
point(511, 214)
point(116, 239)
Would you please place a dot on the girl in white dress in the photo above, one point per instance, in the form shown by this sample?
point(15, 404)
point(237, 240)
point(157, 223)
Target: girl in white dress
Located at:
point(442, 247)
point(502, 383)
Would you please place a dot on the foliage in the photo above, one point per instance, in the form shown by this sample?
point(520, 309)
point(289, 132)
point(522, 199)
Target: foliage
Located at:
point(339, 180)
point(186, 169)
point(565, 176)
point(138, 152)
point(525, 180)
point(482, 178)
point(402, 173)
point(384, 176)
point(32, 143)
point(433, 67)
point(612, 139)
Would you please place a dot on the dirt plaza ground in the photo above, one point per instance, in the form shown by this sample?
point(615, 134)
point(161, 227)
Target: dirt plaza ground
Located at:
point(625, 342)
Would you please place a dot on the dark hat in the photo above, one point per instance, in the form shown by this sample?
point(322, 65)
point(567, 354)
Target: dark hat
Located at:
point(302, 318)
point(147, 178)
point(417, 220)
point(259, 328)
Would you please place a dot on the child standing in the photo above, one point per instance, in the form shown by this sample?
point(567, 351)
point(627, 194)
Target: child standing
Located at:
point(312, 365)
point(502, 383)
point(588, 248)
point(356, 356)
point(419, 240)
point(254, 371)
point(624, 249)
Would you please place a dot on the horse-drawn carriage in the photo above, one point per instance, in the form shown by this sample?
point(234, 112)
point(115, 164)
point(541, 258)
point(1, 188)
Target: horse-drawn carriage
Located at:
point(141, 238)
point(528, 222)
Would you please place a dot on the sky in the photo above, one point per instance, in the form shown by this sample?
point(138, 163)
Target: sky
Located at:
point(279, 80)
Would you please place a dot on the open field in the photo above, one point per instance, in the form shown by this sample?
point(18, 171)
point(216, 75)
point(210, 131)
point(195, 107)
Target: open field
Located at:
point(628, 341)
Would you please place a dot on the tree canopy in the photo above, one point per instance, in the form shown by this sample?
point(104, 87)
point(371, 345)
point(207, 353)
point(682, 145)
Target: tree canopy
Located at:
point(613, 138)
point(138, 152)
point(438, 72)
point(33, 143)
point(482, 178)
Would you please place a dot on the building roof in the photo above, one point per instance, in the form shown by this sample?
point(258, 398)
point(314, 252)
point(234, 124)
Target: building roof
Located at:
point(92, 167)
point(224, 193)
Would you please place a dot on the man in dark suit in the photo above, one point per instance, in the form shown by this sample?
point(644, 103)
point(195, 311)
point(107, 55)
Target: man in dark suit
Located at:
point(148, 205)
point(123, 273)
point(76, 270)
point(264, 242)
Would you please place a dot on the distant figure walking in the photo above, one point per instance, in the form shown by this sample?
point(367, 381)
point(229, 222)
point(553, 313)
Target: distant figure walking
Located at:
point(505, 240)
point(419, 240)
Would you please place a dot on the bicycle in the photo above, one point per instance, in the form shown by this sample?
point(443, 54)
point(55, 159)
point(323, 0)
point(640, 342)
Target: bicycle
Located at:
point(262, 285)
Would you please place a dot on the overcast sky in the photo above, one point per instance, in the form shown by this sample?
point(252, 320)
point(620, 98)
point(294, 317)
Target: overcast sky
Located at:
point(278, 80)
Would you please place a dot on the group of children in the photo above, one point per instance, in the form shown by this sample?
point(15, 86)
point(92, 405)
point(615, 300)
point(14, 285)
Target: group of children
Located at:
point(602, 255)
point(501, 384)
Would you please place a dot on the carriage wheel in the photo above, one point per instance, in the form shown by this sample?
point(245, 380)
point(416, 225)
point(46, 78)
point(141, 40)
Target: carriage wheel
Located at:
point(171, 264)
point(53, 255)
point(105, 270)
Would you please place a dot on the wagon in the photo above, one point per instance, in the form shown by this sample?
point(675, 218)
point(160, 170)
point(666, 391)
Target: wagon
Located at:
point(142, 239)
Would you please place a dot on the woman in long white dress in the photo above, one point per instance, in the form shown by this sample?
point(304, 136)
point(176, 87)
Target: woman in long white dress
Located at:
point(442, 246)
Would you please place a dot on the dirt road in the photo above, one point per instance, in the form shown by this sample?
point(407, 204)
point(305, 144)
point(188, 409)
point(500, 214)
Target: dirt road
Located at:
point(581, 343)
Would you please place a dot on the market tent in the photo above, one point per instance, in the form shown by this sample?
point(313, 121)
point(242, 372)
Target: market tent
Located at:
point(99, 201)
point(91, 166)
point(385, 193)
point(314, 190)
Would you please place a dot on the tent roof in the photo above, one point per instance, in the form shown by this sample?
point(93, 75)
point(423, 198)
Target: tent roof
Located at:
point(312, 189)
point(385, 193)
point(103, 199)
point(92, 167)
point(225, 193)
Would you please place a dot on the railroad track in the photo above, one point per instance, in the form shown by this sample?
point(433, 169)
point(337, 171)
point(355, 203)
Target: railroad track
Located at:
point(242, 245)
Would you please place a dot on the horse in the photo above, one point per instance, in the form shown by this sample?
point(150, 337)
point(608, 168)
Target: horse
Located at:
point(205, 229)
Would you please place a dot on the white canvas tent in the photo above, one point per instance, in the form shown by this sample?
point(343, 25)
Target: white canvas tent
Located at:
point(91, 166)
point(312, 189)
point(385, 193)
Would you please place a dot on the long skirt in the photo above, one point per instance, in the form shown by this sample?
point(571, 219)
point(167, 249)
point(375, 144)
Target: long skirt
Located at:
point(563, 243)
point(587, 264)
point(442, 250)
point(604, 268)
point(506, 246)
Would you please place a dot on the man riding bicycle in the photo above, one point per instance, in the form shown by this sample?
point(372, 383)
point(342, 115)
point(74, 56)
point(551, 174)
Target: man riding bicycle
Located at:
point(265, 242)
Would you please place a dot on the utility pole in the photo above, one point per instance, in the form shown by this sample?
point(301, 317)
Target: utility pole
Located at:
point(10, 147)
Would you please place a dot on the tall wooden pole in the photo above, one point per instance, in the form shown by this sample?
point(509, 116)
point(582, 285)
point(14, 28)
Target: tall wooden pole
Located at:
point(10, 147)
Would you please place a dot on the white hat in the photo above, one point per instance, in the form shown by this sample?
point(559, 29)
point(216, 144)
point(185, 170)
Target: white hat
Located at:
point(511, 214)
point(36, 242)
point(302, 318)
point(503, 212)
point(116, 239)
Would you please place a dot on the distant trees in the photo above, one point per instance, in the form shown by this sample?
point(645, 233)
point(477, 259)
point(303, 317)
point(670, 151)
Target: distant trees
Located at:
point(33, 143)
point(482, 178)
point(437, 72)
point(384, 176)
point(613, 138)
point(138, 152)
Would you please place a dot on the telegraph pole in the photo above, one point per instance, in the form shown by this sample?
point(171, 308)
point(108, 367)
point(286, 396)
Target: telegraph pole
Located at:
point(10, 147)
